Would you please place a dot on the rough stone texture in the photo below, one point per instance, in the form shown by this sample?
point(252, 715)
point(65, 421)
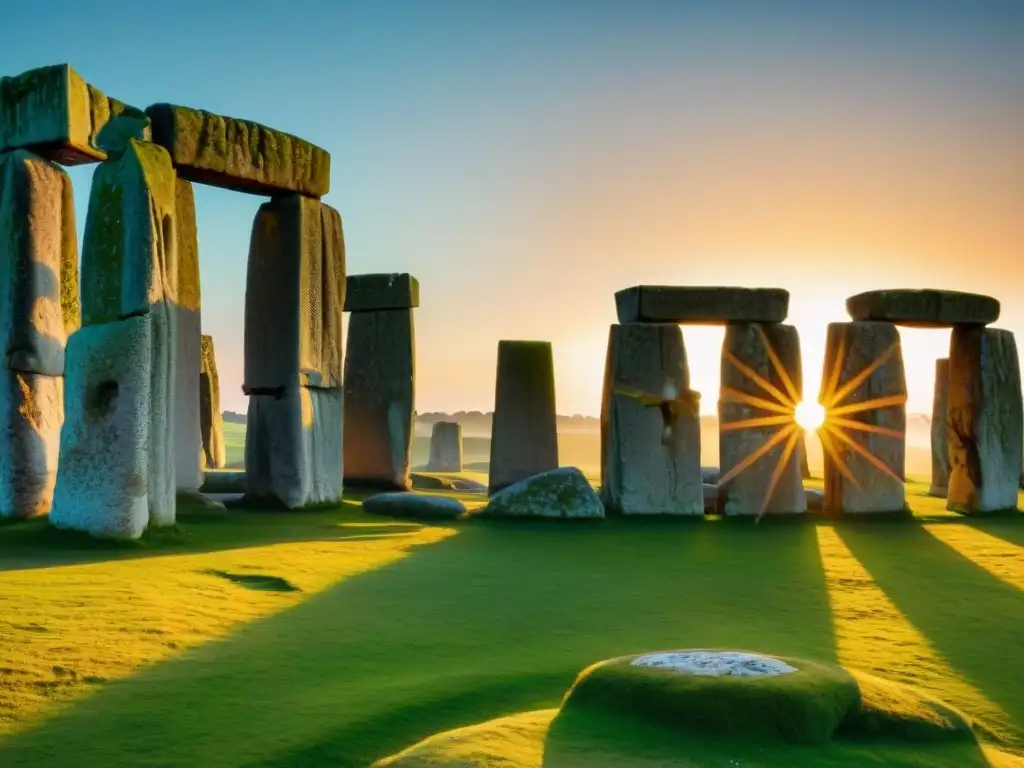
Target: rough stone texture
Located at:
point(211, 422)
point(750, 492)
point(940, 430)
point(642, 472)
point(293, 447)
point(382, 291)
point(102, 485)
point(414, 505)
point(710, 475)
point(225, 481)
point(239, 154)
point(129, 267)
point(55, 113)
point(39, 303)
point(715, 663)
point(188, 449)
point(850, 349)
point(445, 447)
point(31, 414)
point(295, 296)
point(699, 305)
point(562, 492)
point(380, 386)
point(524, 437)
point(986, 425)
point(710, 493)
point(923, 309)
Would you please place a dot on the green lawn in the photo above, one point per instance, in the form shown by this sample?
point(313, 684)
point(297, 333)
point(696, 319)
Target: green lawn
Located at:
point(333, 638)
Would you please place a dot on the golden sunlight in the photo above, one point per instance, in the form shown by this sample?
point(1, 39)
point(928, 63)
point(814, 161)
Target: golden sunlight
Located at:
point(810, 415)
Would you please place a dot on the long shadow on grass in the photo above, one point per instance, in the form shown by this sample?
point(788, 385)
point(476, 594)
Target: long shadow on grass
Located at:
point(974, 620)
point(496, 619)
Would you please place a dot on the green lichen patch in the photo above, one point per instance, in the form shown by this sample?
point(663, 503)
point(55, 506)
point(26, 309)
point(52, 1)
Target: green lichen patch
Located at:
point(239, 154)
point(70, 300)
point(103, 247)
point(188, 247)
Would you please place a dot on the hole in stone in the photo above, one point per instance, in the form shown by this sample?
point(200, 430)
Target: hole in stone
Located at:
point(101, 398)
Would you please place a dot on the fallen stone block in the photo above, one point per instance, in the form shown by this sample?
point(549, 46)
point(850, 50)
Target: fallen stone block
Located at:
point(239, 154)
point(986, 421)
point(31, 414)
point(923, 308)
point(414, 505)
point(940, 430)
point(226, 481)
point(211, 421)
point(102, 485)
point(701, 305)
point(188, 440)
point(367, 293)
point(445, 447)
point(559, 493)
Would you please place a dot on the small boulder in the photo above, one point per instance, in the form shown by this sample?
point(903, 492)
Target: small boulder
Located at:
point(401, 504)
point(562, 492)
point(815, 500)
point(710, 475)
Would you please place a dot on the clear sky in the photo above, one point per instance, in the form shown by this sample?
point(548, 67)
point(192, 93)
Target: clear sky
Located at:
point(526, 160)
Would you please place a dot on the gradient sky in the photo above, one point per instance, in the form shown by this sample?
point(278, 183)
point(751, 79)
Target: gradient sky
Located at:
point(526, 160)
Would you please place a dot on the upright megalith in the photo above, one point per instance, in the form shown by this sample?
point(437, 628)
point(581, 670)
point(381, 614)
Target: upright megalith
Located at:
point(214, 450)
point(650, 429)
point(940, 430)
point(524, 436)
point(445, 447)
point(295, 295)
point(864, 392)
point(380, 380)
point(985, 420)
point(39, 307)
point(188, 450)
point(760, 445)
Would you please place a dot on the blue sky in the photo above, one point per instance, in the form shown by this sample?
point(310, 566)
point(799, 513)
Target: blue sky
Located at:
point(525, 160)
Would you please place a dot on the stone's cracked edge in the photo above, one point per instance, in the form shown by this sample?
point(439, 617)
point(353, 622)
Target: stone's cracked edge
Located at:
point(715, 663)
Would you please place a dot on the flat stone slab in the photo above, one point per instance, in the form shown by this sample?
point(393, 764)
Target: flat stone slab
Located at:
point(924, 309)
point(415, 505)
point(239, 154)
point(701, 305)
point(366, 293)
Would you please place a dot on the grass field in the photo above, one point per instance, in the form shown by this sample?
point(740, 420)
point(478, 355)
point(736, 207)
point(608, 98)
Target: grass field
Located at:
point(334, 638)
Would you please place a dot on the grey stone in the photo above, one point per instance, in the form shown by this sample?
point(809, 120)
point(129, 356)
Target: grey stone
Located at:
point(380, 386)
point(31, 413)
point(113, 138)
point(414, 505)
point(710, 494)
point(650, 456)
point(367, 293)
point(710, 475)
point(188, 448)
point(876, 419)
point(224, 481)
point(760, 448)
point(200, 500)
point(524, 437)
point(923, 308)
point(815, 500)
point(211, 421)
point(701, 305)
point(940, 430)
point(562, 492)
point(986, 421)
point(102, 485)
point(445, 447)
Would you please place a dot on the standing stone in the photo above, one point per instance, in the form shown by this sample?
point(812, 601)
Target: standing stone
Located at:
point(805, 468)
point(772, 483)
point(214, 449)
point(38, 307)
point(851, 351)
point(642, 472)
point(445, 447)
point(940, 431)
point(380, 385)
point(188, 365)
point(986, 424)
point(524, 436)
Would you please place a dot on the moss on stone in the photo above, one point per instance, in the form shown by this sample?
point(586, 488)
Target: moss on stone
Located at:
point(103, 248)
point(188, 246)
point(70, 300)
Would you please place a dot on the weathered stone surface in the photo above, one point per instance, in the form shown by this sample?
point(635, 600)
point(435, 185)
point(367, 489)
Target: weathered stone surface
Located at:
point(642, 472)
point(700, 305)
point(986, 420)
point(239, 154)
point(772, 484)
point(815, 500)
point(224, 481)
point(524, 437)
point(38, 263)
point(380, 386)
point(293, 448)
point(129, 267)
point(445, 447)
point(367, 293)
point(710, 475)
point(710, 496)
point(188, 437)
point(295, 296)
point(211, 422)
point(940, 430)
point(923, 309)
point(55, 113)
point(31, 413)
point(102, 485)
point(874, 411)
point(414, 505)
point(561, 492)
point(805, 469)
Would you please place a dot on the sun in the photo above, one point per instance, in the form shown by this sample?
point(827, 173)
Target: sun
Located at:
point(810, 415)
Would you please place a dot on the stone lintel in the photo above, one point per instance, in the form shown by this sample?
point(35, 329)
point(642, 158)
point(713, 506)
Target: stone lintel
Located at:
point(923, 308)
point(395, 290)
point(701, 305)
